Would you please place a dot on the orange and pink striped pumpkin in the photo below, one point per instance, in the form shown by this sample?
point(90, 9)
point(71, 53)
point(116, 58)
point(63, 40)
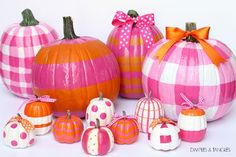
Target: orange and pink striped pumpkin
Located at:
point(130, 29)
point(74, 70)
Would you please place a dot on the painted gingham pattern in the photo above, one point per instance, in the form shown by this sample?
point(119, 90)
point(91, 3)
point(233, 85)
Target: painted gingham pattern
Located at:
point(18, 47)
point(187, 69)
point(164, 137)
point(130, 60)
point(148, 109)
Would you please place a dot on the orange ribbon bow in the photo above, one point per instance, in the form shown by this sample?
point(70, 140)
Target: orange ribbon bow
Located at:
point(155, 122)
point(25, 123)
point(174, 34)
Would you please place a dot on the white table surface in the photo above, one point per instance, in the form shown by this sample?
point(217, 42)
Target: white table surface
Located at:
point(220, 134)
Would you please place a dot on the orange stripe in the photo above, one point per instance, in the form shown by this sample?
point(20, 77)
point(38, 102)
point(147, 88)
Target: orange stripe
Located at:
point(129, 60)
point(133, 81)
point(131, 91)
point(112, 40)
point(78, 99)
point(43, 125)
point(63, 53)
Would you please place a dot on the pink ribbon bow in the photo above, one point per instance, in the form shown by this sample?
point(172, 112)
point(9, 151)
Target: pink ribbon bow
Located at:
point(117, 117)
point(190, 104)
point(126, 22)
point(44, 98)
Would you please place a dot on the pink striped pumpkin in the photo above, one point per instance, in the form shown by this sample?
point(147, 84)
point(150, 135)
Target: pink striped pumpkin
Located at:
point(130, 59)
point(147, 109)
point(97, 140)
point(187, 69)
point(19, 44)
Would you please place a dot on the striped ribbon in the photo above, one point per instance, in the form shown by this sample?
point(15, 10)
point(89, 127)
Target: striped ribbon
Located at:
point(25, 123)
point(189, 104)
point(162, 120)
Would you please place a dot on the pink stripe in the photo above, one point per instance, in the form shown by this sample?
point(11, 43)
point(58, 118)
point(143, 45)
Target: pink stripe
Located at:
point(165, 138)
point(132, 96)
point(103, 142)
point(129, 75)
point(85, 139)
point(79, 75)
point(192, 136)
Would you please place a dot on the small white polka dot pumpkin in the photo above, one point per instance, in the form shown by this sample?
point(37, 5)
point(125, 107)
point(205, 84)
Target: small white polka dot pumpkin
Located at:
point(100, 108)
point(18, 133)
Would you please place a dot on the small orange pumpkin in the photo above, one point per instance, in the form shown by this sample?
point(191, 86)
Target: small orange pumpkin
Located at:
point(40, 115)
point(125, 129)
point(68, 128)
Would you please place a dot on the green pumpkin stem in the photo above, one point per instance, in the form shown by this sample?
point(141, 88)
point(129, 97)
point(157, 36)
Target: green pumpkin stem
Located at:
point(98, 123)
point(133, 13)
point(100, 96)
point(69, 32)
point(28, 18)
point(190, 26)
point(68, 114)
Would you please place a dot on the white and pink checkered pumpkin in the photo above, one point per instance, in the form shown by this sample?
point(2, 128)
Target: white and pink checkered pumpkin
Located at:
point(19, 44)
point(163, 134)
point(18, 133)
point(99, 108)
point(147, 109)
point(194, 65)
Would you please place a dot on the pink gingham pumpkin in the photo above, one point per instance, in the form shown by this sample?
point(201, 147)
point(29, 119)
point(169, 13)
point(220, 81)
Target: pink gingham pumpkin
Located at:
point(19, 44)
point(130, 41)
point(188, 68)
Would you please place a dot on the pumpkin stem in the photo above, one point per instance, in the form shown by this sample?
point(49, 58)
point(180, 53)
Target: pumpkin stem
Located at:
point(68, 114)
point(190, 26)
point(28, 18)
point(149, 94)
point(98, 123)
point(133, 13)
point(124, 113)
point(18, 114)
point(100, 96)
point(69, 32)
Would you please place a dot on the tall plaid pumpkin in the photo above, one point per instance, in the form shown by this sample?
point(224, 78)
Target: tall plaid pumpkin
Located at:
point(130, 40)
point(18, 47)
point(188, 68)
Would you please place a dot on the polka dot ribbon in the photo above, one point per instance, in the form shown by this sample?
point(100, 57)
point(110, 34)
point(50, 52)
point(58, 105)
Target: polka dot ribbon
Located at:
point(44, 98)
point(126, 23)
point(189, 104)
point(25, 123)
point(117, 117)
point(162, 120)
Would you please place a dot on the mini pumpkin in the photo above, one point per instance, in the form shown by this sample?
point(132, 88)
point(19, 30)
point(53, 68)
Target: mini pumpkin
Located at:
point(18, 133)
point(163, 134)
point(18, 46)
point(148, 109)
point(97, 140)
point(191, 63)
point(99, 108)
point(124, 128)
point(84, 65)
point(130, 40)
point(68, 128)
point(192, 122)
point(39, 112)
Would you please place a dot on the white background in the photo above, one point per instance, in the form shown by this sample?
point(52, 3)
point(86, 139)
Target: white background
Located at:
point(93, 18)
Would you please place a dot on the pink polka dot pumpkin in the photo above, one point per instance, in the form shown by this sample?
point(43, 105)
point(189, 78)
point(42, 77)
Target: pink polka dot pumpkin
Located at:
point(18, 133)
point(100, 108)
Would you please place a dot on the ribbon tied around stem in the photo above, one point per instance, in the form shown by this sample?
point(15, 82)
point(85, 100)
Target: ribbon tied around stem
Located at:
point(189, 104)
point(25, 123)
point(175, 34)
point(126, 23)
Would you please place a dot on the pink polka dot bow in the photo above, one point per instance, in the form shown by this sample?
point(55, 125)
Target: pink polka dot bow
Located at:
point(126, 23)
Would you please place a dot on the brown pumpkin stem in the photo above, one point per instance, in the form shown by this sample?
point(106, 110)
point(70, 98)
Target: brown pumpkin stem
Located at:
point(69, 32)
point(98, 123)
point(18, 114)
point(124, 113)
point(190, 26)
point(100, 96)
point(28, 18)
point(133, 13)
point(68, 114)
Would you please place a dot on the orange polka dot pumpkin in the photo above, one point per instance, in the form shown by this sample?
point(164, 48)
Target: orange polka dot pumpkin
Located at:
point(39, 113)
point(125, 129)
point(73, 71)
point(18, 133)
point(99, 108)
point(68, 128)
